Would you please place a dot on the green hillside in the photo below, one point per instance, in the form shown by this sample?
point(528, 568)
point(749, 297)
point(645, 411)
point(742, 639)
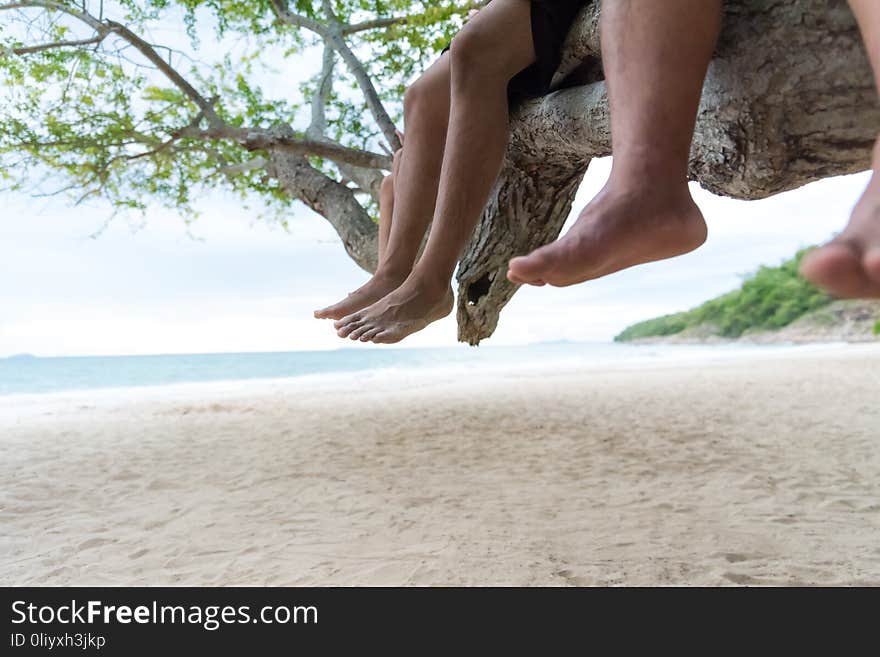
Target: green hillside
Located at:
point(769, 299)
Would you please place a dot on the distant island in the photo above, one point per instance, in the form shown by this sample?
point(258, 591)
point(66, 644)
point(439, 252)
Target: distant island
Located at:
point(775, 304)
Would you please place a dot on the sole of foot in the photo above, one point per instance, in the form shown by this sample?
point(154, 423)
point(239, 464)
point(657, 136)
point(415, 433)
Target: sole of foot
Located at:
point(407, 310)
point(614, 232)
point(844, 271)
point(849, 266)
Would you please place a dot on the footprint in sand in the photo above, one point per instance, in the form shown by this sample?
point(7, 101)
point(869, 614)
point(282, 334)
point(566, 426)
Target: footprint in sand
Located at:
point(92, 543)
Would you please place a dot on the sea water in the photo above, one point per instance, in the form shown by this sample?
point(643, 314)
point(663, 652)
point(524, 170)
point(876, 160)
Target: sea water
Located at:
point(26, 374)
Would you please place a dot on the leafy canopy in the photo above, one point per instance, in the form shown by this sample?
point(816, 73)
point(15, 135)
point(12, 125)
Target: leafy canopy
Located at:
point(85, 112)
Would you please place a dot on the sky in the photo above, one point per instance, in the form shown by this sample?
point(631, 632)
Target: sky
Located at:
point(231, 283)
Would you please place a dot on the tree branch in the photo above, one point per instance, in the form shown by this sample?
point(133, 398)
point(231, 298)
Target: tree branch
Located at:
point(204, 105)
point(29, 50)
point(103, 28)
point(318, 125)
point(356, 68)
point(333, 201)
point(326, 149)
point(376, 24)
point(83, 16)
point(282, 11)
point(334, 37)
point(281, 140)
point(332, 34)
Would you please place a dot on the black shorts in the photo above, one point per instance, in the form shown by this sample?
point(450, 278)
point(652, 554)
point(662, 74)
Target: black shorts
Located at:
point(551, 21)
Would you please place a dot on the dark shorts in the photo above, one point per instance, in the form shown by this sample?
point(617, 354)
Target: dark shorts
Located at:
point(551, 21)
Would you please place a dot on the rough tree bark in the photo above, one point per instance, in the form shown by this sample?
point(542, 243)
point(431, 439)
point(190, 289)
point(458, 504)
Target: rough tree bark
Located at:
point(789, 99)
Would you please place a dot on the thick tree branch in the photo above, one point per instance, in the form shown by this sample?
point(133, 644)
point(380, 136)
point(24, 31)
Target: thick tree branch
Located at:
point(263, 140)
point(282, 140)
point(333, 201)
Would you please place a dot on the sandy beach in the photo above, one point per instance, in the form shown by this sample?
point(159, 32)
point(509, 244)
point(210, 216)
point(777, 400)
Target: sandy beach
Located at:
point(759, 471)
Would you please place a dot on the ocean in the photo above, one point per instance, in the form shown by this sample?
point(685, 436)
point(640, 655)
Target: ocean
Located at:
point(34, 375)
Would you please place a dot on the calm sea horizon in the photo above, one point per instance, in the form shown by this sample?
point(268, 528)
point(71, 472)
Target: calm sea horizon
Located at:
point(25, 374)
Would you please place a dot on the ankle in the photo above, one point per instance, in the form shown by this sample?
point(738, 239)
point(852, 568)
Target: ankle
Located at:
point(654, 192)
point(392, 271)
point(648, 167)
point(430, 281)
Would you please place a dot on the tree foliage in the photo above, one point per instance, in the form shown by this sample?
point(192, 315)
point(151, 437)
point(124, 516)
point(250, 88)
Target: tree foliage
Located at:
point(769, 299)
point(156, 101)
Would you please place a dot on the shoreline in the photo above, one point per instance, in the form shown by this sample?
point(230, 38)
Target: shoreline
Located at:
point(692, 354)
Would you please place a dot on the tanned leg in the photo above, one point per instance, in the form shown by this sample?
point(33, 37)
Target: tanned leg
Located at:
point(849, 266)
point(415, 182)
point(386, 209)
point(485, 56)
point(655, 56)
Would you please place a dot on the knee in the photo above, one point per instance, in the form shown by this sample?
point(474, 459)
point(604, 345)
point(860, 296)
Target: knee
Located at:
point(421, 99)
point(386, 187)
point(475, 58)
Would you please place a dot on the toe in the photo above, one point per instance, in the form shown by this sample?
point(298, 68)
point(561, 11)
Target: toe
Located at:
point(529, 268)
point(837, 269)
point(386, 337)
point(326, 313)
point(513, 278)
point(372, 333)
point(346, 330)
point(871, 263)
point(350, 319)
point(359, 331)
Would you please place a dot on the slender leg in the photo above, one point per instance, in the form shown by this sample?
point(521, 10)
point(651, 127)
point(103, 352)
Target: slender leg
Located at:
point(849, 266)
point(386, 202)
point(655, 56)
point(386, 210)
point(485, 56)
point(415, 182)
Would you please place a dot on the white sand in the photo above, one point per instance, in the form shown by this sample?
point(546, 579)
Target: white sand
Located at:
point(765, 471)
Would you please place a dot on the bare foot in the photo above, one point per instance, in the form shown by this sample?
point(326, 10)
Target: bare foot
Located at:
point(408, 309)
point(377, 287)
point(849, 266)
point(618, 229)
